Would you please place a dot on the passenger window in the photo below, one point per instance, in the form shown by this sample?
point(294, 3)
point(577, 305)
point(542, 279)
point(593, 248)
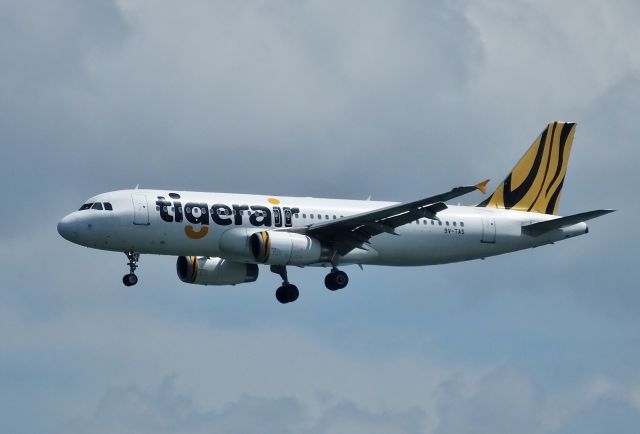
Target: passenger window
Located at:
point(447, 222)
point(334, 216)
point(85, 206)
point(108, 206)
point(97, 206)
point(311, 215)
point(455, 224)
point(319, 216)
point(433, 222)
point(440, 223)
point(424, 222)
point(462, 224)
point(304, 216)
point(326, 216)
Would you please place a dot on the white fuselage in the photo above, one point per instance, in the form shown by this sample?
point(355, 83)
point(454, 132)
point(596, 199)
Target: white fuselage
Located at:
point(165, 222)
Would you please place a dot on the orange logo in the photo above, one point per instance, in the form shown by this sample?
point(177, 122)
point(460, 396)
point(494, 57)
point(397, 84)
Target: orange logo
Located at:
point(196, 235)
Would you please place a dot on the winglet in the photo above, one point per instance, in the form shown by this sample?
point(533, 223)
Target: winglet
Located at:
point(482, 186)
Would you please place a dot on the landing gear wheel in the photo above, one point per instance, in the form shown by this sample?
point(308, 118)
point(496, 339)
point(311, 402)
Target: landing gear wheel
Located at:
point(130, 279)
point(336, 280)
point(287, 293)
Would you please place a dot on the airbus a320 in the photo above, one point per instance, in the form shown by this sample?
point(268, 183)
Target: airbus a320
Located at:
point(222, 238)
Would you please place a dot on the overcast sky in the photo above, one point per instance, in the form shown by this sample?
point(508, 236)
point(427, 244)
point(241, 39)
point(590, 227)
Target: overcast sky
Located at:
point(348, 99)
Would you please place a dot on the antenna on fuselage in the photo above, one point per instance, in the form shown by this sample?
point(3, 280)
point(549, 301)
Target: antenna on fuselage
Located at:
point(137, 185)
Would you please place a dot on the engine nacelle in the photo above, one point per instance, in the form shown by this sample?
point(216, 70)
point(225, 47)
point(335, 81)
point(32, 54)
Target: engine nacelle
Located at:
point(214, 271)
point(286, 248)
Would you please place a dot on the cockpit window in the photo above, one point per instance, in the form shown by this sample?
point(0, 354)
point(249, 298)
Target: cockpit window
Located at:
point(97, 205)
point(85, 206)
point(107, 206)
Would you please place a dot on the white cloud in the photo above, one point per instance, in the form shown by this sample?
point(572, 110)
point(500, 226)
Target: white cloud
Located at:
point(397, 100)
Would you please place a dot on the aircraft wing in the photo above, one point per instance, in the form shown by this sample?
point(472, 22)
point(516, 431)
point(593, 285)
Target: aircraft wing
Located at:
point(351, 232)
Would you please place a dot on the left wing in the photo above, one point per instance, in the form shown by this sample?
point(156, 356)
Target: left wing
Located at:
point(352, 232)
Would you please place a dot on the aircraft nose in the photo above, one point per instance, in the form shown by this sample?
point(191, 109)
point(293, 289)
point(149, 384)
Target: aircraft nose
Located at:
point(68, 227)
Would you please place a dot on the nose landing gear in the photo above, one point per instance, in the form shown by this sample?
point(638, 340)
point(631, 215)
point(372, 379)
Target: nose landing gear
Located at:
point(131, 278)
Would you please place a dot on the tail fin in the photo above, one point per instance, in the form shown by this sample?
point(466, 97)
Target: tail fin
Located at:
point(535, 182)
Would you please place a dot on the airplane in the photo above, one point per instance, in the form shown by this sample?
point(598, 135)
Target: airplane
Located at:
point(221, 238)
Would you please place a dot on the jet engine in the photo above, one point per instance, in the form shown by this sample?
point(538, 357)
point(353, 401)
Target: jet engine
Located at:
point(214, 271)
point(286, 248)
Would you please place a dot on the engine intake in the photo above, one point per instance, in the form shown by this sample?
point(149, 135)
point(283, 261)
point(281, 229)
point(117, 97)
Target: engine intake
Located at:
point(214, 271)
point(286, 248)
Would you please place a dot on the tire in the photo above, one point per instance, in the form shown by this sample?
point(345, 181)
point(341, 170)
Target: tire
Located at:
point(330, 282)
point(336, 280)
point(341, 279)
point(130, 279)
point(287, 293)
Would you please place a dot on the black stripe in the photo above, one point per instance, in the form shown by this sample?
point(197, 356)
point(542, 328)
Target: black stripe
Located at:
point(564, 134)
point(552, 201)
point(485, 202)
point(512, 197)
point(546, 169)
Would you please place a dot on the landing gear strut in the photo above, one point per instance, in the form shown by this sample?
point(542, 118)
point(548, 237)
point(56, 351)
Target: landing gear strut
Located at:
point(336, 279)
point(287, 292)
point(131, 278)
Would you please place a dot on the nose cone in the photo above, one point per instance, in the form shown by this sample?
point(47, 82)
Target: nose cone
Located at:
point(68, 228)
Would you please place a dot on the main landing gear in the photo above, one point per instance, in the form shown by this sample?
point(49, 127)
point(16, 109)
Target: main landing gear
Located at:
point(336, 280)
point(288, 292)
point(131, 278)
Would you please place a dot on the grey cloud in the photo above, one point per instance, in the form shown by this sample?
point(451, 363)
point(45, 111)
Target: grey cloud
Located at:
point(504, 400)
point(394, 100)
point(164, 409)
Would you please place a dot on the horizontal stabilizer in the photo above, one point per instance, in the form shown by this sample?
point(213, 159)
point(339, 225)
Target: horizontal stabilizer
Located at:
point(537, 229)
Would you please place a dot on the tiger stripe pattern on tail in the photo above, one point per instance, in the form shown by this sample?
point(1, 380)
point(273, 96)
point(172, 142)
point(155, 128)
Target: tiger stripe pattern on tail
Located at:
point(536, 181)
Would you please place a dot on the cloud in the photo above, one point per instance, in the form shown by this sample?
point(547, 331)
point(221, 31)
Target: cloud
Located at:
point(502, 401)
point(165, 410)
point(314, 98)
point(507, 400)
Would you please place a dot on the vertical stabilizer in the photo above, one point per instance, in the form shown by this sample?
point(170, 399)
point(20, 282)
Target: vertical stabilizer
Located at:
point(536, 181)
